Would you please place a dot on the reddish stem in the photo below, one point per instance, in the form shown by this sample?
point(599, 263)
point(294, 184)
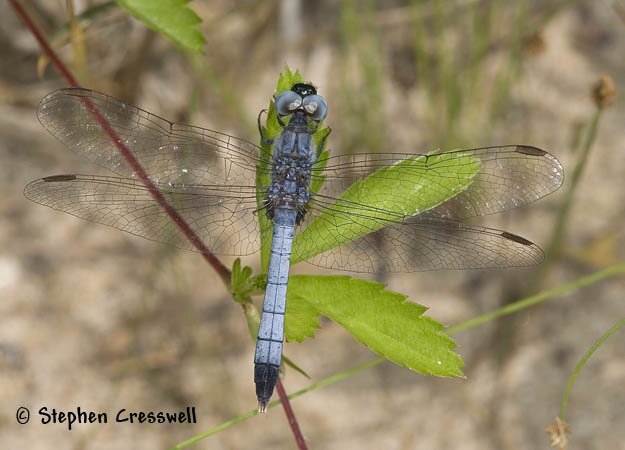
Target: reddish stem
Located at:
point(209, 256)
point(290, 415)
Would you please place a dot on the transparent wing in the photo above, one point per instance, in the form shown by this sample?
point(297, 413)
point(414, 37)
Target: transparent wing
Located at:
point(381, 232)
point(167, 151)
point(508, 177)
point(222, 216)
point(415, 244)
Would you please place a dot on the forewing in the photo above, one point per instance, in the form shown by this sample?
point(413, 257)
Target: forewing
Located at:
point(168, 152)
point(400, 212)
point(222, 216)
point(507, 177)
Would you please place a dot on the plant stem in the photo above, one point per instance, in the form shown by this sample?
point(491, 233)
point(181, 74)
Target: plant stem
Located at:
point(538, 298)
point(286, 405)
point(580, 365)
point(565, 209)
point(555, 241)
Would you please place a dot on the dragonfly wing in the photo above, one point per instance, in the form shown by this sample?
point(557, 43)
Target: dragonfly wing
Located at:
point(222, 216)
point(501, 177)
point(416, 244)
point(166, 151)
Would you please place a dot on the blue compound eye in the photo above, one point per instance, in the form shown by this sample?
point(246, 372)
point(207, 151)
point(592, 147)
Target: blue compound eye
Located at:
point(287, 103)
point(316, 107)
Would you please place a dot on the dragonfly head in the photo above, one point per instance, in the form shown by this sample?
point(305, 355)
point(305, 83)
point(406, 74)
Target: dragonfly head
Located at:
point(302, 99)
point(304, 89)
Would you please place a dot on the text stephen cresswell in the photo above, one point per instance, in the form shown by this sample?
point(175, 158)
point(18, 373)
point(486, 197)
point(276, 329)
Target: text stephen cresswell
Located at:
point(80, 416)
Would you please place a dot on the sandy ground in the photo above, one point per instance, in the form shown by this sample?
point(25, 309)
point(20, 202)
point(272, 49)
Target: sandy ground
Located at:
point(95, 318)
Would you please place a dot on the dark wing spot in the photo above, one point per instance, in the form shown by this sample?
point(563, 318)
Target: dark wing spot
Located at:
point(57, 178)
point(516, 238)
point(528, 150)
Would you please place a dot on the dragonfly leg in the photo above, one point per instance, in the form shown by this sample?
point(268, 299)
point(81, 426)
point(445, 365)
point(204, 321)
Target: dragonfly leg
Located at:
point(324, 139)
point(263, 139)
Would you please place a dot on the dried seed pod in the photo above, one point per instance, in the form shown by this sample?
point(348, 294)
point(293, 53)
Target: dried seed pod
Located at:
point(604, 91)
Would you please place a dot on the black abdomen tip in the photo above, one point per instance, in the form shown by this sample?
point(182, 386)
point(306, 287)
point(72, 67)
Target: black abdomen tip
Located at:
point(265, 378)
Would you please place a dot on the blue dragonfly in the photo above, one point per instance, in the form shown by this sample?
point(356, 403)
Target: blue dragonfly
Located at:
point(369, 212)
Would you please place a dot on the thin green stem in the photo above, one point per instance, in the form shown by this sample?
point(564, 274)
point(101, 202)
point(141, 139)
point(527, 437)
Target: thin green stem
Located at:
point(251, 413)
point(252, 317)
point(580, 365)
point(224, 426)
point(337, 377)
point(575, 177)
point(540, 297)
point(77, 39)
point(88, 14)
point(567, 203)
point(558, 233)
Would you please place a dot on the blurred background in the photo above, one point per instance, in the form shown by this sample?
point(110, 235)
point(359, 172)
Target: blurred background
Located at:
point(92, 317)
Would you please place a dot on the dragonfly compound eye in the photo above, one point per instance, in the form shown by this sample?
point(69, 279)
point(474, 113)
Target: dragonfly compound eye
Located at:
point(288, 102)
point(316, 107)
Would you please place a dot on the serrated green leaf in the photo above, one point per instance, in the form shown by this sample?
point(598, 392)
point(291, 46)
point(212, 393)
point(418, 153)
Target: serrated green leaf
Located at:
point(382, 320)
point(170, 18)
point(242, 284)
point(398, 188)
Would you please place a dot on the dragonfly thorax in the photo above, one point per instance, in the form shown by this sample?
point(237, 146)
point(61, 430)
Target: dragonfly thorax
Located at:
point(294, 153)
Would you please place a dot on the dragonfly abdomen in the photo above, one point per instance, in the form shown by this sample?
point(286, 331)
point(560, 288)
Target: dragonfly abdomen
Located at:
point(268, 355)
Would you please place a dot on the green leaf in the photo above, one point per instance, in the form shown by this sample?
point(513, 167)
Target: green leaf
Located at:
point(322, 160)
point(242, 284)
point(382, 320)
point(301, 318)
point(399, 188)
point(170, 18)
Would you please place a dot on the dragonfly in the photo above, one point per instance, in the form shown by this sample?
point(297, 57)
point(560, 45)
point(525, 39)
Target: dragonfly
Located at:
point(229, 191)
